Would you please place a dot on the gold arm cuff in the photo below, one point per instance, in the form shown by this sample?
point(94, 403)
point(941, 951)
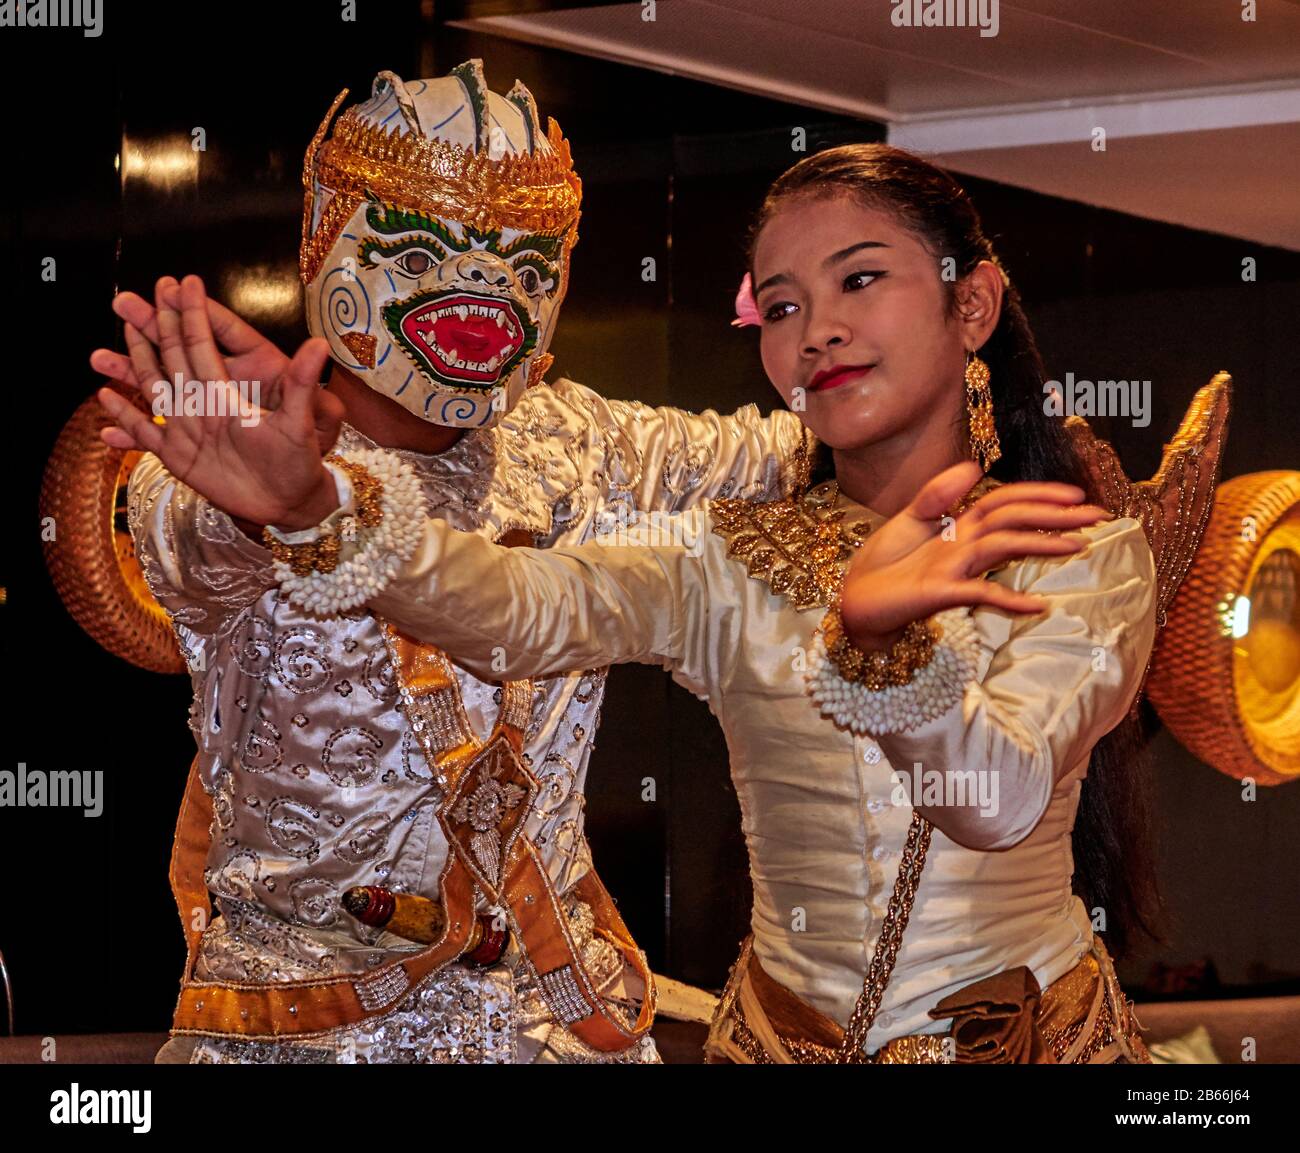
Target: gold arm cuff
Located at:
point(322, 555)
point(896, 665)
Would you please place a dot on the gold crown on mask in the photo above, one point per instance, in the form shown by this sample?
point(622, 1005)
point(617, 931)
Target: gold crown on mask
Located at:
point(535, 192)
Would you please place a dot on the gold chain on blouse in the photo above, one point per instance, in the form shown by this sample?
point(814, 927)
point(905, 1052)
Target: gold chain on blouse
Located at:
point(888, 943)
point(801, 548)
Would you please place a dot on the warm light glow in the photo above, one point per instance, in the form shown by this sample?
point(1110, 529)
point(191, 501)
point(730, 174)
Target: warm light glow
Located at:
point(264, 292)
point(1226, 675)
point(164, 161)
point(1241, 617)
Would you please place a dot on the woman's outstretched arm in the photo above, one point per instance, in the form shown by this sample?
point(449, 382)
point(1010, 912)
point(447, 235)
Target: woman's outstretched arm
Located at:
point(1055, 684)
point(509, 613)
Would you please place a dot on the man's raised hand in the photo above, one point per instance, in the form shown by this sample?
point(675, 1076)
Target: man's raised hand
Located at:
point(248, 354)
point(260, 462)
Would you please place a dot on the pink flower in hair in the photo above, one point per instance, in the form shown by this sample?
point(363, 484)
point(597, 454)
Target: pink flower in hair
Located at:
point(746, 309)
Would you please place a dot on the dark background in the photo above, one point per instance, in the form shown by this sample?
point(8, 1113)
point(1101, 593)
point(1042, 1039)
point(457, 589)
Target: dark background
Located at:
point(672, 169)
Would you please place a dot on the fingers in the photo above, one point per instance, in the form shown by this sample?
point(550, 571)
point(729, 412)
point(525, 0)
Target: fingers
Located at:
point(301, 383)
point(115, 437)
point(996, 549)
point(233, 334)
point(1048, 491)
point(145, 373)
point(986, 592)
point(171, 340)
point(940, 492)
point(200, 347)
point(137, 427)
point(1041, 514)
point(113, 365)
point(136, 310)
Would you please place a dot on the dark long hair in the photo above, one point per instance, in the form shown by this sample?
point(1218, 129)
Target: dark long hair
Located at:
point(1112, 830)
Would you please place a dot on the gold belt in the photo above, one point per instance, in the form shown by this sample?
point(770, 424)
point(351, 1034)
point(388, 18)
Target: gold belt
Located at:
point(1081, 1018)
point(1002, 1018)
point(487, 795)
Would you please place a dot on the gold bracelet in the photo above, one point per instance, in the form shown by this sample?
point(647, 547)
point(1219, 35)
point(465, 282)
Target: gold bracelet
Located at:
point(322, 554)
point(896, 665)
point(367, 491)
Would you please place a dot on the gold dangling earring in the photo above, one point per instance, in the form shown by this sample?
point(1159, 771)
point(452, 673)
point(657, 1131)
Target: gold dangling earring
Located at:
point(979, 412)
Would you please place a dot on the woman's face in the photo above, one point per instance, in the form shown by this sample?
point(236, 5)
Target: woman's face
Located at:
point(842, 286)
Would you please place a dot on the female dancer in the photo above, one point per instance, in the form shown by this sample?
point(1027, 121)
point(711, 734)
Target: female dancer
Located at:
point(908, 739)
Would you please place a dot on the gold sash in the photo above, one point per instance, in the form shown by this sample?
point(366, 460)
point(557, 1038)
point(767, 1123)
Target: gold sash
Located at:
point(1082, 1017)
point(487, 794)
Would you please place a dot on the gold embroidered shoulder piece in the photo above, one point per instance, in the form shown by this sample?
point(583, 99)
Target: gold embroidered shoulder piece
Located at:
point(796, 545)
point(799, 546)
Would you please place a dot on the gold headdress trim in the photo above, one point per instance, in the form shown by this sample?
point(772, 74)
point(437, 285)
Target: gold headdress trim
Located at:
point(537, 192)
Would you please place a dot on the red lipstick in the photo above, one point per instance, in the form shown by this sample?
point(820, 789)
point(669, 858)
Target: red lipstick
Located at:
point(840, 374)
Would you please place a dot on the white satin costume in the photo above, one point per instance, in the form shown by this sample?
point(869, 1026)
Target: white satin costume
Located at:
point(316, 782)
point(824, 816)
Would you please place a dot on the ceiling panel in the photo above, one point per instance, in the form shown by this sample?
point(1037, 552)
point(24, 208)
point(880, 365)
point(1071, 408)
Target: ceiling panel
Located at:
point(1204, 106)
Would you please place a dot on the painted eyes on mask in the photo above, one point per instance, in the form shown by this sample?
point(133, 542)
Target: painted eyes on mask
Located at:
point(851, 283)
point(415, 257)
point(535, 275)
point(412, 257)
point(414, 263)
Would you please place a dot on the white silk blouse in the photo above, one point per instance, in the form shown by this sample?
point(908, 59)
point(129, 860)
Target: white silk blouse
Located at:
point(824, 813)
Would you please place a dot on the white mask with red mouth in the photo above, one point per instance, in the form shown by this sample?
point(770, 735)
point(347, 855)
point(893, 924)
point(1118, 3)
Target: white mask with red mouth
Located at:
point(436, 237)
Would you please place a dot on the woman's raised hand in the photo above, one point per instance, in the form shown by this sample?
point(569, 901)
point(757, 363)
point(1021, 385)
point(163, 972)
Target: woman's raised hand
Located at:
point(259, 457)
point(910, 568)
